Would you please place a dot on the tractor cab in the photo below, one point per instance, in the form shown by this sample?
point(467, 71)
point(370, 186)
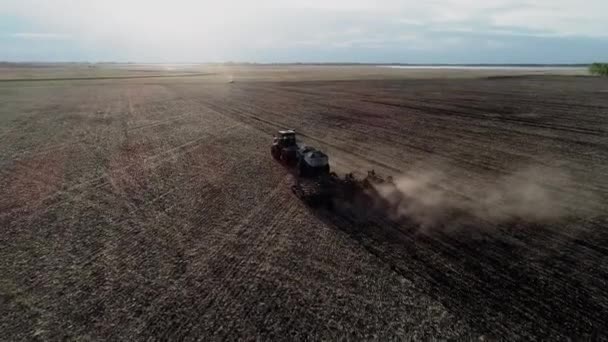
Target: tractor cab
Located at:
point(286, 138)
point(284, 146)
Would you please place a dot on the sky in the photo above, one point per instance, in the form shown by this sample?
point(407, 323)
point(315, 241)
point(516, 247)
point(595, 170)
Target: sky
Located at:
point(265, 31)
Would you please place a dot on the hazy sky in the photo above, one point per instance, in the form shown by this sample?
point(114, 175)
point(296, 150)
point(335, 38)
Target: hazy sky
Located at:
point(408, 31)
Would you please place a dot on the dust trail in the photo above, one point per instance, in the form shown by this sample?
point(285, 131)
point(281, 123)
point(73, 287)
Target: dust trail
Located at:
point(431, 198)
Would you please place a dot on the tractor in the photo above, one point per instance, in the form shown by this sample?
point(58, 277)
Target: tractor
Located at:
point(314, 183)
point(308, 161)
point(284, 146)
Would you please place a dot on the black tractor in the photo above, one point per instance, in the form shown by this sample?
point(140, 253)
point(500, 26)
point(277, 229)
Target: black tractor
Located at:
point(284, 147)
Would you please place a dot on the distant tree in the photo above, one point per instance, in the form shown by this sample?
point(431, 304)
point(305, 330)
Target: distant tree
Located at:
point(599, 69)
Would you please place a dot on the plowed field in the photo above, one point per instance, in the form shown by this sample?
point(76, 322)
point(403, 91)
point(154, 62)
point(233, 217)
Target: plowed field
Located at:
point(151, 209)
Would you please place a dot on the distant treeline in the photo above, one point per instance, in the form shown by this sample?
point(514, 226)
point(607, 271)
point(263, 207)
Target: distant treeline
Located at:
point(599, 69)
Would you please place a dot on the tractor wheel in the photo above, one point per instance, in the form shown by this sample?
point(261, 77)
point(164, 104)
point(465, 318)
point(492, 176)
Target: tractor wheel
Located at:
point(302, 169)
point(275, 153)
point(286, 158)
point(326, 170)
point(283, 157)
point(329, 204)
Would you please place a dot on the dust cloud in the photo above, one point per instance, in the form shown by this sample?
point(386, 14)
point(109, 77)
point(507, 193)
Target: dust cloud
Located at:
point(433, 198)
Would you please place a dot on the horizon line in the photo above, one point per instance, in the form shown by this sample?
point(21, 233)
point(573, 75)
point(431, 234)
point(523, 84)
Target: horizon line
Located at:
point(300, 63)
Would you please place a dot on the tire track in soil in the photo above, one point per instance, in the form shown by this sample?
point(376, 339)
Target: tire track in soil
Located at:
point(426, 108)
point(216, 108)
point(371, 162)
point(354, 163)
point(445, 267)
point(260, 248)
point(96, 183)
point(215, 202)
point(252, 119)
point(246, 230)
point(473, 165)
point(149, 309)
point(361, 156)
point(471, 275)
point(529, 243)
point(53, 148)
point(92, 257)
point(405, 136)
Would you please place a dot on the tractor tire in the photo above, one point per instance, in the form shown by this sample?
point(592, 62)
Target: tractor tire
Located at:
point(286, 158)
point(302, 169)
point(283, 156)
point(275, 153)
point(329, 204)
point(326, 170)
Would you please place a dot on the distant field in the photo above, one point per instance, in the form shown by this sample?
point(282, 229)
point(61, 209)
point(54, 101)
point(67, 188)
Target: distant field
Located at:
point(85, 71)
point(269, 72)
point(151, 209)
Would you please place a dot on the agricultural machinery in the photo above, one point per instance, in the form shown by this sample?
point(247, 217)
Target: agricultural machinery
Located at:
point(308, 161)
point(314, 183)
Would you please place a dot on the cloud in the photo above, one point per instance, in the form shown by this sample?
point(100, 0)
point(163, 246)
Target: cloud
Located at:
point(39, 36)
point(191, 30)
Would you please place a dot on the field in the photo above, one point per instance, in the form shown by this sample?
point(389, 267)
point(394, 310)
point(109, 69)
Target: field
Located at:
point(149, 208)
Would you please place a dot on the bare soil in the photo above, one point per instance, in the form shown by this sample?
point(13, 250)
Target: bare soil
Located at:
point(150, 209)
